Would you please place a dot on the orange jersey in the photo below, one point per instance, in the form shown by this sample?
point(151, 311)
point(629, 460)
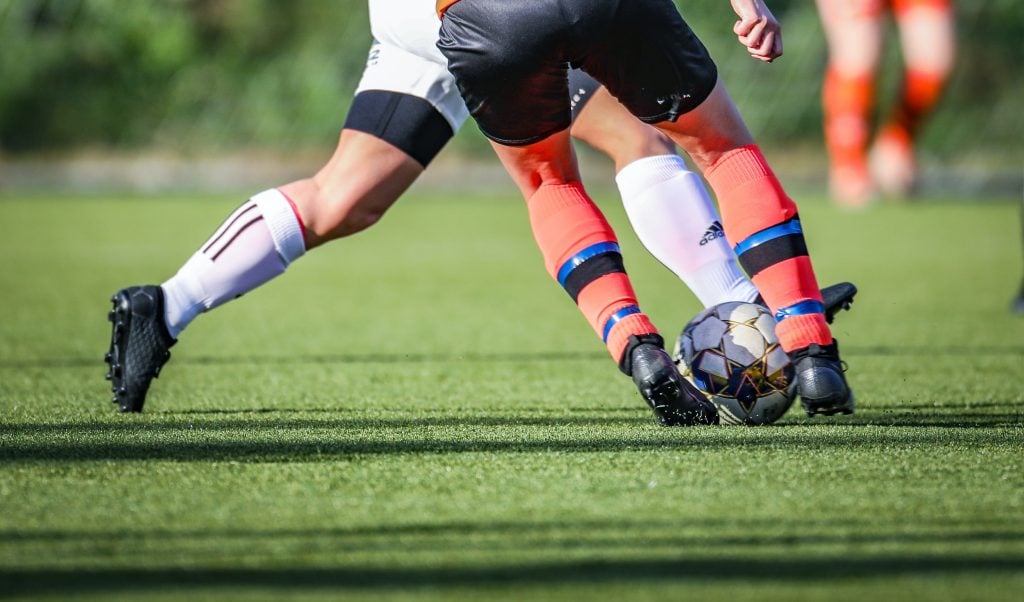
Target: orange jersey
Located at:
point(442, 5)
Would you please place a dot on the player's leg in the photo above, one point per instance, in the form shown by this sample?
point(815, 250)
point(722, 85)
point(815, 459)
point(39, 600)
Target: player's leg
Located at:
point(677, 89)
point(388, 139)
point(667, 204)
point(256, 243)
point(854, 30)
point(581, 252)
point(928, 41)
point(532, 140)
point(762, 223)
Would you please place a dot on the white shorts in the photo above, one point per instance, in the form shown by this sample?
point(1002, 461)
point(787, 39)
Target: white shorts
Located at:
point(404, 57)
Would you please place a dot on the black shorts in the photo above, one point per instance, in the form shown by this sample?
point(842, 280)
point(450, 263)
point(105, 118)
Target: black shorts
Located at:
point(511, 59)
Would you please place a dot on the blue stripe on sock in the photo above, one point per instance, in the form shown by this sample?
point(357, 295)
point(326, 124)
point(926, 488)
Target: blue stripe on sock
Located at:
point(629, 310)
point(585, 254)
point(800, 309)
point(784, 229)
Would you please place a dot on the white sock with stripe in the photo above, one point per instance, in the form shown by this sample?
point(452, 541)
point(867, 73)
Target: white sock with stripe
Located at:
point(256, 243)
point(672, 214)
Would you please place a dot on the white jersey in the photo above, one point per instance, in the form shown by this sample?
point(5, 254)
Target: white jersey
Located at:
point(404, 57)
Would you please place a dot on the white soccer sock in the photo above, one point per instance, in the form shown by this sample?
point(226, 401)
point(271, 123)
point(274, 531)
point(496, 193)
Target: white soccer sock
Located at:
point(672, 214)
point(256, 243)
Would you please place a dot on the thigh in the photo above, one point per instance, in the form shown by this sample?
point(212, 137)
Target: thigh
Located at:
point(927, 35)
point(394, 69)
point(855, 31)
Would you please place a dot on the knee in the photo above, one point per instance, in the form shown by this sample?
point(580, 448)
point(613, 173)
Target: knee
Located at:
point(628, 144)
point(339, 215)
point(328, 215)
point(644, 142)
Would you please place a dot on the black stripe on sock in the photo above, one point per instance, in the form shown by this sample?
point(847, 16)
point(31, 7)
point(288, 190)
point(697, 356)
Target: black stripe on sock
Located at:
point(236, 235)
point(592, 269)
point(772, 252)
point(227, 226)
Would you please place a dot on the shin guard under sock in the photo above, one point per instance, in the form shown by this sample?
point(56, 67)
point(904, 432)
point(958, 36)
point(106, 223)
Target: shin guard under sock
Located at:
point(256, 243)
point(581, 252)
point(672, 214)
point(762, 224)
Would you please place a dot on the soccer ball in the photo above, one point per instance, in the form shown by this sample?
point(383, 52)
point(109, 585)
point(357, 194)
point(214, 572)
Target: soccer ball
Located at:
point(730, 352)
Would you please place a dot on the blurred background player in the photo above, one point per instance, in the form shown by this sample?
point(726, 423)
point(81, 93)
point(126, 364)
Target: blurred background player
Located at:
point(510, 62)
point(855, 31)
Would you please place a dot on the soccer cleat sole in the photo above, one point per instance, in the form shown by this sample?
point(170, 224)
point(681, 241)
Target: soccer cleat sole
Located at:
point(120, 317)
point(812, 412)
point(664, 395)
point(837, 298)
point(845, 408)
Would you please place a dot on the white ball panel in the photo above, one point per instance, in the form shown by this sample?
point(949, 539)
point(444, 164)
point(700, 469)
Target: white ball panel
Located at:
point(708, 334)
point(743, 344)
point(740, 312)
point(766, 324)
point(713, 364)
point(777, 360)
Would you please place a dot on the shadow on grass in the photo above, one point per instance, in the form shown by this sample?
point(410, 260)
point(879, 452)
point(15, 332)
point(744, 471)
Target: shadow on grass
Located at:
point(327, 358)
point(252, 440)
point(553, 534)
point(636, 572)
point(285, 420)
point(424, 358)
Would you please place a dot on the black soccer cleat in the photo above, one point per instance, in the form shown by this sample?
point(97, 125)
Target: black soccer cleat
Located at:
point(139, 344)
point(819, 379)
point(835, 298)
point(675, 401)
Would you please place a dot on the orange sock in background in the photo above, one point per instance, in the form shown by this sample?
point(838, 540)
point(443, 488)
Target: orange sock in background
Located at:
point(581, 251)
point(901, 7)
point(920, 93)
point(762, 225)
point(847, 102)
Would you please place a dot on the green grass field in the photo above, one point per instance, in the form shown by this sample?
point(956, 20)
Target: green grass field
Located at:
point(419, 413)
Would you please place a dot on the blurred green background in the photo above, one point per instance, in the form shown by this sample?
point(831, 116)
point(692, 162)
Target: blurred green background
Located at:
point(202, 77)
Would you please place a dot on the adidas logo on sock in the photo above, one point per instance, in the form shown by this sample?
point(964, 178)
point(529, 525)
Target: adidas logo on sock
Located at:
point(713, 232)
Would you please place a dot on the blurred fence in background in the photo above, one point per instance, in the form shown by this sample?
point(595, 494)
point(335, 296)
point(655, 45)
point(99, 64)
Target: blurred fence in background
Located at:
point(209, 77)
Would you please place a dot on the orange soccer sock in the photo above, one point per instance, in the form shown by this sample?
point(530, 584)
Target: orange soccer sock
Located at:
point(920, 93)
point(847, 102)
point(902, 7)
point(582, 253)
point(762, 224)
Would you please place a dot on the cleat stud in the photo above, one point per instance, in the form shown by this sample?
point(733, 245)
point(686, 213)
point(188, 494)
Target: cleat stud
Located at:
point(107, 357)
point(108, 376)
